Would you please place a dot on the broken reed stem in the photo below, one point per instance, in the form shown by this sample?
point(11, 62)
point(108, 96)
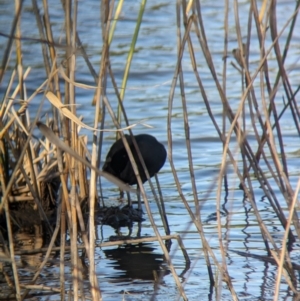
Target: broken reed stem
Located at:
point(115, 243)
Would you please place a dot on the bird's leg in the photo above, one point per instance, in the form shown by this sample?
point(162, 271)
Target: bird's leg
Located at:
point(121, 194)
point(128, 199)
point(138, 234)
point(138, 194)
point(129, 231)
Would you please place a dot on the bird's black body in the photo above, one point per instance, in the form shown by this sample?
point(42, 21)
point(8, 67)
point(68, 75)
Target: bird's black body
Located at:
point(118, 164)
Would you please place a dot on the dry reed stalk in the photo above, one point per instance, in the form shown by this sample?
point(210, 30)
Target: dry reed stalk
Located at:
point(142, 191)
point(282, 188)
point(225, 54)
point(12, 254)
point(223, 269)
point(185, 117)
point(248, 155)
point(6, 107)
point(74, 210)
point(115, 243)
point(63, 230)
point(106, 16)
point(47, 132)
point(284, 258)
point(28, 153)
point(7, 52)
point(48, 252)
point(181, 44)
point(82, 174)
point(248, 148)
point(283, 176)
point(70, 82)
point(161, 206)
point(82, 227)
point(71, 24)
point(19, 157)
point(101, 89)
point(244, 65)
point(128, 126)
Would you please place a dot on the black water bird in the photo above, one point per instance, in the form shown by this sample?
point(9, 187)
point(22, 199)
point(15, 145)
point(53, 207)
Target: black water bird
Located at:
point(118, 163)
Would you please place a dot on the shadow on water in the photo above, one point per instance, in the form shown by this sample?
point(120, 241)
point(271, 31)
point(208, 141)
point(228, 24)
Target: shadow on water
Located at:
point(29, 235)
point(136, 262)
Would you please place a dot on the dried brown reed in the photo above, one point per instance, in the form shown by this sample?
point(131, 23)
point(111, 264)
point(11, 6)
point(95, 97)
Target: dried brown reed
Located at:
point(267, 130)
point(39, 163)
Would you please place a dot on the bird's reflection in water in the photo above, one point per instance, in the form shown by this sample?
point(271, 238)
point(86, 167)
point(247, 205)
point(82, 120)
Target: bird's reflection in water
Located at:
point(137, 261)
point(28, 239)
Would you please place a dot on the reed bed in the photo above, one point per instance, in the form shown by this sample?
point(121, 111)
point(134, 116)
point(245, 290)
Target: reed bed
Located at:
point(48, 173)
point(266, 123)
